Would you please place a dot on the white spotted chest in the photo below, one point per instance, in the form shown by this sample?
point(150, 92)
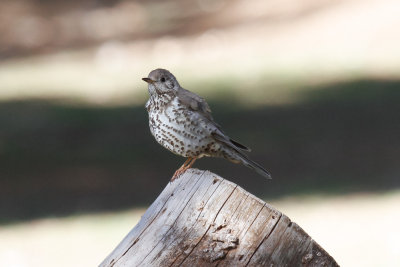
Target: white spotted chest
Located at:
point(180, 130)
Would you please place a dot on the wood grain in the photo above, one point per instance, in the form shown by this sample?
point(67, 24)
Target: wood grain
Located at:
point(201, 219)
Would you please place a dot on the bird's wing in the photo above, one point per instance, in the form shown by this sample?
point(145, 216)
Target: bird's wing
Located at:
point(197, 103)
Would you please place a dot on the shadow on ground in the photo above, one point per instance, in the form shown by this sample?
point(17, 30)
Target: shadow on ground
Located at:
point(58, 159)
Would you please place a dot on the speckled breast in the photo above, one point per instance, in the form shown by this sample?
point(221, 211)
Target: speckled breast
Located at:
point(181, 130)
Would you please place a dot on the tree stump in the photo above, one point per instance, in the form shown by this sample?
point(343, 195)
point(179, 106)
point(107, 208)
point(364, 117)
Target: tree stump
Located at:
point(201, 219)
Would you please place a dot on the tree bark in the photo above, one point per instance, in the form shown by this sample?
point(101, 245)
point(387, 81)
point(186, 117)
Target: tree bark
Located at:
point(201, 219)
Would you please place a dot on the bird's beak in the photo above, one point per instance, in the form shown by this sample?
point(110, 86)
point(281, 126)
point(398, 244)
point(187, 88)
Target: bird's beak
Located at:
point(148, 80)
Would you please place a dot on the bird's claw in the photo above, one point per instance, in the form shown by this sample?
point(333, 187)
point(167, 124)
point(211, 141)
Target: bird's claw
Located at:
point(188, 163)
point(178, 173)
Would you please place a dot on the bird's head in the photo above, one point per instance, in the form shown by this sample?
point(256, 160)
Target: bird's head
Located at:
point(161, 81)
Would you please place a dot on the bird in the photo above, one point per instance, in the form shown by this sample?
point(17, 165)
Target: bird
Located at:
point(181, 122)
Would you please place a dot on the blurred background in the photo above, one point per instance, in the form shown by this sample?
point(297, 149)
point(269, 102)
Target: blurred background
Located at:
point(312, 86)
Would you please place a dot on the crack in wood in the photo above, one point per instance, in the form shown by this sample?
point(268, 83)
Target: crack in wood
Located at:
point(197, 219)
point(213, 222)
point(187, 203)
point(136, 240)
point(255, 218)
point(265, 238)
point(243, 235)
point(210, 226)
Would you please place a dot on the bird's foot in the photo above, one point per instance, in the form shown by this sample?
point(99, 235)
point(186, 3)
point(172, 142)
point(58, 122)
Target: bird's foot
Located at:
point(178, 173)
point(188, 163)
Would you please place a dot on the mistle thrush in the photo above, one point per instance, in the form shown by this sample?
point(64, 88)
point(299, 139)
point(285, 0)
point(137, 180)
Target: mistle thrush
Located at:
point(181, 122)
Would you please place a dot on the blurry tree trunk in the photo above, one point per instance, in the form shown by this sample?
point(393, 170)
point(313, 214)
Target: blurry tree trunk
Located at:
point(203, 220)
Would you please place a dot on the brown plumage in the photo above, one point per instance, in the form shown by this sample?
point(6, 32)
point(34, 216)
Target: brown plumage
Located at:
point(181, 121)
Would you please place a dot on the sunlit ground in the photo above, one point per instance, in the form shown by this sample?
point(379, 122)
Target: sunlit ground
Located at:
point(357, 230)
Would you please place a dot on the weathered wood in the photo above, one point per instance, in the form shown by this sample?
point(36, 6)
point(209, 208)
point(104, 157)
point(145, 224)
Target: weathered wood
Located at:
point(202, 219)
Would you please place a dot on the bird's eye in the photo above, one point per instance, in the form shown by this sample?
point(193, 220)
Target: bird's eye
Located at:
point(162, 79)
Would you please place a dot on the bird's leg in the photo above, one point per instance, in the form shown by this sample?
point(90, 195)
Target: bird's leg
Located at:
point(181, 170)
point(185, 163)
point(190, 164)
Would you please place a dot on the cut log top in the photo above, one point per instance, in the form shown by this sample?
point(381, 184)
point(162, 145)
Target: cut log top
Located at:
point(201, 219)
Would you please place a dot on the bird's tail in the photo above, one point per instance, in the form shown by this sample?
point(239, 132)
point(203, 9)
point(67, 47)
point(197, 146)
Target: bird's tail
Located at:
point(237, 156)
